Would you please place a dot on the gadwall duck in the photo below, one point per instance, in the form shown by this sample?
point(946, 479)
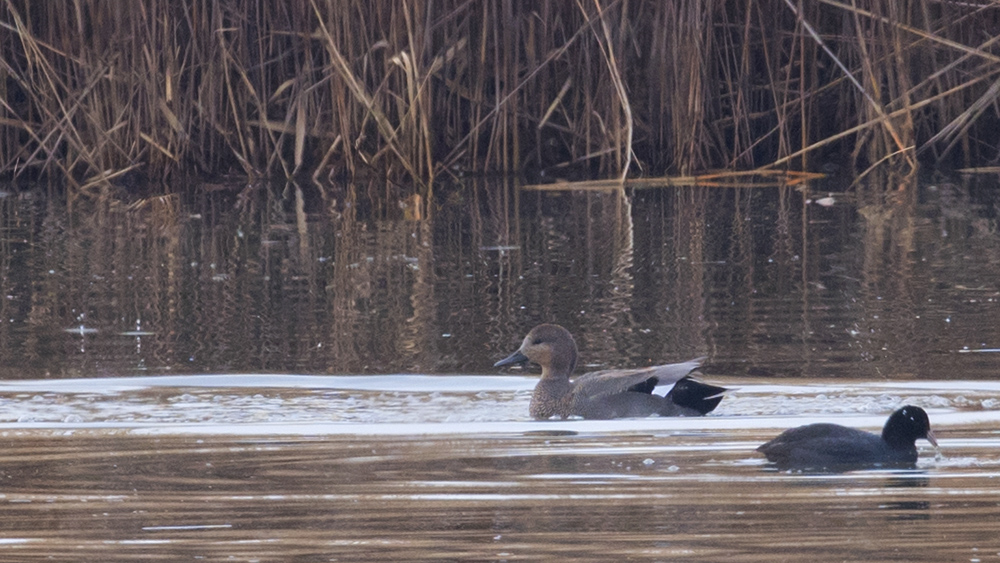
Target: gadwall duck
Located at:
point(834, 447)
point(606, 394)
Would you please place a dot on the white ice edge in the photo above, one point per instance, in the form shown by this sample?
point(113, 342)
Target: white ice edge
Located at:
point(939, 419)
point(445, 383)
point(394, 382)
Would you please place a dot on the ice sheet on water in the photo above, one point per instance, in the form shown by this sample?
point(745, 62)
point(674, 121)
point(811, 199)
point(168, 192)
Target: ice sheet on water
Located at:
point(270, 403)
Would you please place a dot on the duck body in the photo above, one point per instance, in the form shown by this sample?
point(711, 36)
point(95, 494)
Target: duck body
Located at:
point(825, 446)
point(611, 393)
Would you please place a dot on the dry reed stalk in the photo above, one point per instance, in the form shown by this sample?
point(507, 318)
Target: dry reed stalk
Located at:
point(340, 65)
point(872, 123)
point(726, 179)
point(608, 53)
point(867, 60)
point(980, 170)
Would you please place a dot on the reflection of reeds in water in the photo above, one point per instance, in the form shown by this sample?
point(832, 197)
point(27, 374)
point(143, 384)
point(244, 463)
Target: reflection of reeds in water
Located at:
point(293, 280)
point(272, 286)
point(888, 286)
point(92, 90)
point(288, 281)
point(688, 268)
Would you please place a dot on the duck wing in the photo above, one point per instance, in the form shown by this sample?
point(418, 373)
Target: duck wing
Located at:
point(613, 381)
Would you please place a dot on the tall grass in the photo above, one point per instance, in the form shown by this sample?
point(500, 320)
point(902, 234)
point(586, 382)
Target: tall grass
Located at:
point(93, 89)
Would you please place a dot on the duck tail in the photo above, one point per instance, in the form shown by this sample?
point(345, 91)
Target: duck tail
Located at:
point(693, 394)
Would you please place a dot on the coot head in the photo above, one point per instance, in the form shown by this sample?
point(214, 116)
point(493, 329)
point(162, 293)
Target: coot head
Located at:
point(906, 426)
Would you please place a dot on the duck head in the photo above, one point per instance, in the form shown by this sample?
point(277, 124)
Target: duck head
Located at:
point(548, 345)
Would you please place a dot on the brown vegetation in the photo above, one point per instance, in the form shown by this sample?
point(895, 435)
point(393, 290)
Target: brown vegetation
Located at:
point(91, 90)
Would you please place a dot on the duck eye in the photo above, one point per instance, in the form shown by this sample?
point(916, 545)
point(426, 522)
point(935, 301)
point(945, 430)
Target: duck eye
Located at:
point(536, 341)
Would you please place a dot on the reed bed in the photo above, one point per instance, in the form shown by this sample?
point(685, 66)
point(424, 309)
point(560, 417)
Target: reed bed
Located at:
point(93, 91)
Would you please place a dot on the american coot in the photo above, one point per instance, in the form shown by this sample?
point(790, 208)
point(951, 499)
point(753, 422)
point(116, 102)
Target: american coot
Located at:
point(611, 393)
point(835, 447)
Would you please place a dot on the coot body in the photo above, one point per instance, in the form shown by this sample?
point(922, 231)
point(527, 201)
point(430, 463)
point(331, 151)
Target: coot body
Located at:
point(825, 446)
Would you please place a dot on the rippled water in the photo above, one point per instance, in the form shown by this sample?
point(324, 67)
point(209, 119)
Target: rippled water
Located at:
point(273, 467)
point(342, 405)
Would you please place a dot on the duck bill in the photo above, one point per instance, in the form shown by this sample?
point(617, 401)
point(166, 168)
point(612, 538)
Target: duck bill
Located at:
point(515, 358)
point(930, 438)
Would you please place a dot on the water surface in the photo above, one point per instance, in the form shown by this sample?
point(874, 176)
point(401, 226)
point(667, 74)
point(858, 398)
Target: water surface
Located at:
point(302, 374)
point(426, 468)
